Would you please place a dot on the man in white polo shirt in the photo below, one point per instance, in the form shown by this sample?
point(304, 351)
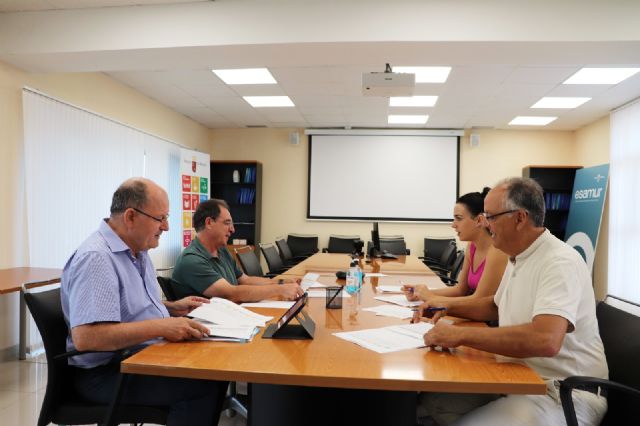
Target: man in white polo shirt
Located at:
point(546, 311)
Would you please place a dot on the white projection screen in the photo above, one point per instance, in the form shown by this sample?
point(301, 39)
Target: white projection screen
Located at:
point(382, 177)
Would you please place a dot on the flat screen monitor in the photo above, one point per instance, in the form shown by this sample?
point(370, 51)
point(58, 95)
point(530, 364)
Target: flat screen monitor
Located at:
point(375, 240)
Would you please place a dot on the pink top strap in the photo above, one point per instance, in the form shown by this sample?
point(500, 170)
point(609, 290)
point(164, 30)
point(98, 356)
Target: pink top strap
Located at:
point(473, 277)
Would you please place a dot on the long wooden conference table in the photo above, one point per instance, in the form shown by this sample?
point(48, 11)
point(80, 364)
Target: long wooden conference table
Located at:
point(294, 381)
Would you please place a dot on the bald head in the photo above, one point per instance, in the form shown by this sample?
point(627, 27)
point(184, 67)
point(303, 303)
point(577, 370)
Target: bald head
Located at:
point(133, 193)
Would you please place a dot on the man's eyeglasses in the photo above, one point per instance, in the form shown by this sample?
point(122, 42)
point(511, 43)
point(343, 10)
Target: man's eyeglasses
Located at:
point(163, 219)
point(227, 222)
point(493, 217)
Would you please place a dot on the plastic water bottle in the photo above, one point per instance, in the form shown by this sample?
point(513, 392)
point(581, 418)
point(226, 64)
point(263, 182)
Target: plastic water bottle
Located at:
point(353, 278)
point(358, 273)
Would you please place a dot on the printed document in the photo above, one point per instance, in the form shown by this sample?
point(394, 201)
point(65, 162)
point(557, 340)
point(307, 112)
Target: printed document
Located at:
point(225, 312)
point(391, 311)
point(398, 299)
point(389, 289)
point(389, 339)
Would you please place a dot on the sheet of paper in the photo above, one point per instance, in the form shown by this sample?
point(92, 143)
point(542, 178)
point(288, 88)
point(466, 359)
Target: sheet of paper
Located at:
point(389, 339)
point(391, 311)
point(310, 280)
point(323, 293)
point(224, 312)
point(375, 274)
point(389, 289)
point(398, 299)
point(277, 304)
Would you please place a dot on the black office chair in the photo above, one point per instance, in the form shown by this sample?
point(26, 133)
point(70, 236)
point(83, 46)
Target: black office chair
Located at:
point(302, 245)
point(287, 255)
point(61, 404)
point(393, 245)
point(166, 284)
point(249, 262)
point(447, 257)
point(274, 263)
point(342, 244)
point(450, 276)
point(434, 247)
point(619, 331)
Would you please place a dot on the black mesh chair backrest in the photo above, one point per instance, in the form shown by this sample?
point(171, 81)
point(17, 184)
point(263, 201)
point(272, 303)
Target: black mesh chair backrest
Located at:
point(285, 252)
point(619, 331)
point(166, 284)
point(342, 243)
point(393, 246)
point(273, 258)
point(302, 245)
point(61, 404)
point(433, 247)
point(456, 266)
point(448, 255)
point(46, 309)
point(249, 261)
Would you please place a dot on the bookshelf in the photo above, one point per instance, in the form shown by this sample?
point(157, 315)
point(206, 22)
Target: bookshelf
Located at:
point(244, 196)
point(557, 183)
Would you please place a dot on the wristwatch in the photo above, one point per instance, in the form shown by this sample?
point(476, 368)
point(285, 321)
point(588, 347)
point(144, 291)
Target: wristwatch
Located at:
point(280, 281)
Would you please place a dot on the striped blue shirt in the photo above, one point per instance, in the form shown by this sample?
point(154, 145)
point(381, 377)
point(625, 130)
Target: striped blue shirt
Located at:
point(104, 282)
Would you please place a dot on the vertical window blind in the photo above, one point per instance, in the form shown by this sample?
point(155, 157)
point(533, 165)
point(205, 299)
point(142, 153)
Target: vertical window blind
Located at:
point(74, 161)
point(624, 203)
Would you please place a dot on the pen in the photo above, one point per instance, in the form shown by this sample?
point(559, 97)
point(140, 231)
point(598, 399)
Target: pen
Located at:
point(430, 309)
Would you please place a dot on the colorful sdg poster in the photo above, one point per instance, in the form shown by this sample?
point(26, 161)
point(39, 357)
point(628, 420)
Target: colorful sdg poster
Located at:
point(194, 171)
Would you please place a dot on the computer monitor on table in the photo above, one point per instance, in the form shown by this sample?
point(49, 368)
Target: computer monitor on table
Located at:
point(376, 251)
point(375, 241)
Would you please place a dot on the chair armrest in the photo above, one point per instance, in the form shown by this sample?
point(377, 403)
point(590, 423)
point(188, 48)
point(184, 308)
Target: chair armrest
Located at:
point(439, 269)
point(119, 354)
point(576, 382)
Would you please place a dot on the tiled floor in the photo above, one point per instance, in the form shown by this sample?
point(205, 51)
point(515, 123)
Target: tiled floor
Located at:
point(22, 387)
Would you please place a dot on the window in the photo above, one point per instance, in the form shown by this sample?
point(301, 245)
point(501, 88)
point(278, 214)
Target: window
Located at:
point(624, 203)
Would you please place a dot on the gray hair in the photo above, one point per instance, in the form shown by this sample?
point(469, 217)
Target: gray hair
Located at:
point(526, 194)
point(130, 194)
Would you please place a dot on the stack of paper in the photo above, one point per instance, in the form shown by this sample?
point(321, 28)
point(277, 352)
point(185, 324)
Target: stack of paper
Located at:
point(224, 312)
point(389, 339)
point(398, 299)
point(227, 333)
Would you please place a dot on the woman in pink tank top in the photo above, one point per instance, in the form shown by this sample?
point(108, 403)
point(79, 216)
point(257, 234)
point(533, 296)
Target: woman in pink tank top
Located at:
point(483, 264)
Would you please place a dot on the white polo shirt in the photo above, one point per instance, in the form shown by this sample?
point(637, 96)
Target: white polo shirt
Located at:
point(550, 277)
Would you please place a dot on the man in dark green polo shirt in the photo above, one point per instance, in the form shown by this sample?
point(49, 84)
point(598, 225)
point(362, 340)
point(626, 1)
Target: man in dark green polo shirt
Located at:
point(206, 267)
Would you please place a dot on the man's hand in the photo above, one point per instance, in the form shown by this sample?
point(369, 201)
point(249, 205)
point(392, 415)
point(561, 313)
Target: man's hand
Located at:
point(290, 291)
point(185, 305)
point(178, 329)
point(444, 335)
point(433, 309)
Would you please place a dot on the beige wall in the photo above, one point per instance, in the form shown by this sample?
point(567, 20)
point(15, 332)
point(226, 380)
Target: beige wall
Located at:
point(93, 91)
point(284, 198)
point(592, 143)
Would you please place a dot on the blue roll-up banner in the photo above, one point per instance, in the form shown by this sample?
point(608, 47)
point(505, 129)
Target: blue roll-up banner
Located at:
point(585, 211)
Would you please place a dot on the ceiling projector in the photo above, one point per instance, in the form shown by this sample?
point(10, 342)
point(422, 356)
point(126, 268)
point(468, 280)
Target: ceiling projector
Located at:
point(388, 83)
